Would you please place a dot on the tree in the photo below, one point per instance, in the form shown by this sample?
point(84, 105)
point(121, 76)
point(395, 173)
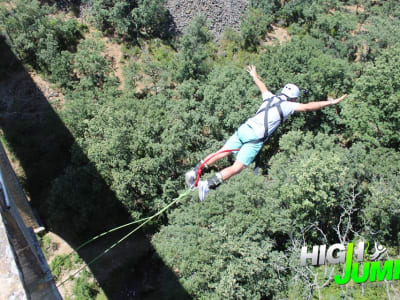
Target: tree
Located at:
point(99, 13)
point(268, 7)
point(129, 19)
point(335, 30)
point(150, 17)
point(377, 34)
point(80, 199)
point(137, 159)
point(371, 112)
point(43, 41)
point(25, 25)
point(220, 248)
point(316, 193)
point(120, 18)
point(379, 220)
point(191, 60)
point(253, 27)
point(304, 12)
point(91, 66)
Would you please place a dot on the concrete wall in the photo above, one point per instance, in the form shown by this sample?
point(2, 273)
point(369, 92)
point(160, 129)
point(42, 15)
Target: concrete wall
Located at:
point(11, 286)
point(24, 270)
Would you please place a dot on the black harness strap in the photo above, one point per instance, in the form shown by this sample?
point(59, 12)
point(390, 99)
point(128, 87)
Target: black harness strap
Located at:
point(266, 109)
point(266, 135)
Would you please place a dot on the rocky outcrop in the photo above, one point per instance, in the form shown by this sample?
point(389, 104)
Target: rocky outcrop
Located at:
point(220, 13)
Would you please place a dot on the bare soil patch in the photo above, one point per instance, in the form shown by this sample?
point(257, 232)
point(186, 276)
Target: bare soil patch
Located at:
point(114, 53)
point(59, 246)
point(278, 35)
point(354, 8)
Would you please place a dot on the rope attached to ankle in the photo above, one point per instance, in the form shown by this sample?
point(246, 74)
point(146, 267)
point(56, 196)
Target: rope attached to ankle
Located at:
point(207, 160)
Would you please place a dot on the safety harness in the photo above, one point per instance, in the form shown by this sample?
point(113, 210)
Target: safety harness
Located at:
point(266, 133)
point(266, 109)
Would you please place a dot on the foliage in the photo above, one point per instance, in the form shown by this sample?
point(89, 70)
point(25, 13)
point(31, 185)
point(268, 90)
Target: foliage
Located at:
point(389, 8)
point(83, 288)
point(326, 22)
point(131, 75)
point(99, 13)
point(313, 195)
point(380, 218)
point(335, 30)
point(253, 27)
point(378, 34)
point(45, 244)
point(251, 220)
point(43, 41)
point(150, 17)
point(223, 250)
point(61, 69)
point(329, 176)
point(60, 264)
point(304, 12)
point(91, 66)
point(355, 181)
point(268, 7)
point(371, 114)
point(129, 19)
point(25, 31)
point(119, 17)
point(337, 25)
point(229, 43)
point(191, 60)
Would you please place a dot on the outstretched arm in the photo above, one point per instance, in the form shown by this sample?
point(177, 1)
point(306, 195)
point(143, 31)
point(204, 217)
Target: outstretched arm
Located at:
point(318, 104)
point(257, 80)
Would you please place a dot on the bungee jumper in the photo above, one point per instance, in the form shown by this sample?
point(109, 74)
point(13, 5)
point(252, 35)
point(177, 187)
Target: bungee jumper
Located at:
point(248, 140)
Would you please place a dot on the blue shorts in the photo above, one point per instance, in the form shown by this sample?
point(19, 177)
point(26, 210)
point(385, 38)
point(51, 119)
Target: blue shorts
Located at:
point(248, 151)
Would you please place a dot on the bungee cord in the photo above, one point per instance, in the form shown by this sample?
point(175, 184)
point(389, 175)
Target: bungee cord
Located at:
point(142, 222)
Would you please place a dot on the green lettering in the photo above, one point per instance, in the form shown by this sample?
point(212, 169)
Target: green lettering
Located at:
point(396, 270)
point(347, 272)
point(387, 271)
point(364, 276)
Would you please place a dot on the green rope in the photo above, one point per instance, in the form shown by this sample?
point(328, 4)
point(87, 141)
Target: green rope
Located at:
point(107, 232)
point(97, 237)
point(145, 221)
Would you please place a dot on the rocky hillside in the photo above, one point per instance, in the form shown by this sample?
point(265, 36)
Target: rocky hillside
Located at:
point(220, 13)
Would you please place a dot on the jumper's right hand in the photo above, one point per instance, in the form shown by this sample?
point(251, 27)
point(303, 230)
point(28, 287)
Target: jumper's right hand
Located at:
point(252, 70)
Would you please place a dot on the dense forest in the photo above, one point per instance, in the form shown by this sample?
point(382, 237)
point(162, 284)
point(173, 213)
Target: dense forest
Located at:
point(330, 176)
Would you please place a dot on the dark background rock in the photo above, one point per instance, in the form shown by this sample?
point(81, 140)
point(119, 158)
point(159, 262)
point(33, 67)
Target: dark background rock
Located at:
point(219, 13)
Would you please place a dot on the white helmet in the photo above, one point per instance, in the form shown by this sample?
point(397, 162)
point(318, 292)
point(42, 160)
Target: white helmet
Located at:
point(291, 90)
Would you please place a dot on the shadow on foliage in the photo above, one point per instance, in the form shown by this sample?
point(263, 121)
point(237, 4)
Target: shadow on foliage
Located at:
point(37, 137)
point(171, 25)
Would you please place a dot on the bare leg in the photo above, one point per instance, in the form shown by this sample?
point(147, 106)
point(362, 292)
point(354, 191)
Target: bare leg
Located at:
point(216, 157)
point(217, 179)
point(236, 168)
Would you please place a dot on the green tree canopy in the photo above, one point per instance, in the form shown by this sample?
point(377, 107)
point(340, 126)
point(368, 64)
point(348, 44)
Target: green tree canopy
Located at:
point(371, 113)
point(129, 19)
point(192, 60)
point(41, 40)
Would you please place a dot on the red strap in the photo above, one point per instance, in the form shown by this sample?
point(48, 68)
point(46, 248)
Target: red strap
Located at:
point(207, 160)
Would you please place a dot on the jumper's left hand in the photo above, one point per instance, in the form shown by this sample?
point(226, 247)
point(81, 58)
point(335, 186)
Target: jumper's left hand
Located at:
point(252, 70)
